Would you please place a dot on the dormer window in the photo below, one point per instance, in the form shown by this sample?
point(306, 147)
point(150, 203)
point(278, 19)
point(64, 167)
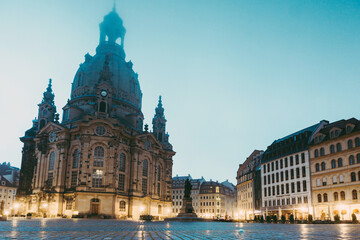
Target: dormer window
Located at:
point(336, 133)
point(332, 134)
point(348, 129)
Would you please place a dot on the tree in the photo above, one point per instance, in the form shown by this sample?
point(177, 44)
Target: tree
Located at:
point(337, 218)
point(292, 220)
point(268, 219)
point(283, 219)
point(255, 219)
point(274, 218)
point(262, 219)
point(310, 218)
point(354, 218)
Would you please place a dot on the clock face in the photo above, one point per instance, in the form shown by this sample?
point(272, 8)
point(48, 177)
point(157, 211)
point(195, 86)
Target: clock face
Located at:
point(103, 93)
point(52, 137)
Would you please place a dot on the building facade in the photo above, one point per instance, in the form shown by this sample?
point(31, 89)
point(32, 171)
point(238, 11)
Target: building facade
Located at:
point(217, 200)
point(335, 170)
point(249, 187)
point(99, 160)
point(7, 197)
point(11, 173)
point(178, 188)
point(286, 187)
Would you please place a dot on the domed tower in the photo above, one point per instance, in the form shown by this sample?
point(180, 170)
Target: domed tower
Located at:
point(105, 84)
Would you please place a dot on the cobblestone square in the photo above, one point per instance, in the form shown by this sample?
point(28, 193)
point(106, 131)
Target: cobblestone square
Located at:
point(115, 229)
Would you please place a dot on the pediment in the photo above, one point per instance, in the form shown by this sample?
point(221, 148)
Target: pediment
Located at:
point(51, 127)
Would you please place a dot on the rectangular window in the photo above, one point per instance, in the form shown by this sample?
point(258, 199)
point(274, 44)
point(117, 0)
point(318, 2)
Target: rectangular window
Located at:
point(50, 179)
point(121, 185)
point(297, 159)
point(282, 188)
point(268, 167)
point(278, 202)
point(283, 201)
point(281, 164)
point(269, 190)
point(265, 192)
point(286, 162)
point(299, 200)
point(272, 166)
point(74, 178)
point(265, 203)
point(288, 201)
point(282, 176)
point(297, 172)
point(277, 165)
point(292, 187)
point(305, 199)
point(69, 205)
point(304, 171)
point(97, 178)
point(286, 175)
point(324, 182)
point(304, 186)
point(144, 185)
point(273, 190)
point(270, 203)
point(158, 189)
point(303, 158)
point(277, 190)
point(273, 178)
point(293, 201)
point(277, 177)
point(264, 168)
point(292, 173)
point(264, 180)
point(269, 182)
point(298, 187)
point(291, 161)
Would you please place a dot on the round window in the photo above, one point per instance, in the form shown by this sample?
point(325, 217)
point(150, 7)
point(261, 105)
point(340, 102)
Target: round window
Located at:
point(100, 131)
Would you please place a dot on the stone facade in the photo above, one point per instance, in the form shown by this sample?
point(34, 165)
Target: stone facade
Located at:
point(286, 187)
point(7, 197)
point(98, 161)
point(248, 184)
point(335, 170)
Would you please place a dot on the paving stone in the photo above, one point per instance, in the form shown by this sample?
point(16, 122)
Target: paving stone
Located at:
point(116, 229)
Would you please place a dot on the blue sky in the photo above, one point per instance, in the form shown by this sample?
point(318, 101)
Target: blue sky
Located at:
point(234, 75)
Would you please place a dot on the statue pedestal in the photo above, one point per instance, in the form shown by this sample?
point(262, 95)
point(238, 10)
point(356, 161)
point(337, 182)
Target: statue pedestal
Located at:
point(186, 213)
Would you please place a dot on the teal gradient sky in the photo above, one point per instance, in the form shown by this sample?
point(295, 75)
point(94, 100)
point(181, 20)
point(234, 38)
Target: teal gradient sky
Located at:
point(234, 75)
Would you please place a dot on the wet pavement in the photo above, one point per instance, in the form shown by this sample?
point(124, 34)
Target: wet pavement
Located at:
point(116, 229)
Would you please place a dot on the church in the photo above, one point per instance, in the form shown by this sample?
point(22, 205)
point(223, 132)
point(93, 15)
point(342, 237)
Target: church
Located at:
point(99, 160)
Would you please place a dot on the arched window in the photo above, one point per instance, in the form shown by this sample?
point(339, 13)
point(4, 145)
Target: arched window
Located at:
point(332, 149)
point(358, 158)
point(357, 142)
point(338, 147)
point(359, 175)
point(316, 153)
point(322, 166)
point(350, 144)
point(99, 157)
point(102, 107)
point(42, 123)
point(353, 176)
point(322, 152)
point(334, 180)
point(319, 197)
point(336, 196)
point(145, 168)
point(122, 162)
point(76, 158)
point(159, 209)
point(354, 194)
point(122, 206)
point(325, 197)
point(342, 195)
point(341, 178)
point(351, 160)
point(340, 162)
point(51, 161)
point(333, 163)
point(317, 167)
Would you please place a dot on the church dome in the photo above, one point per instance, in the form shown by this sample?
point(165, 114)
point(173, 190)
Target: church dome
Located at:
point(108, 64)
